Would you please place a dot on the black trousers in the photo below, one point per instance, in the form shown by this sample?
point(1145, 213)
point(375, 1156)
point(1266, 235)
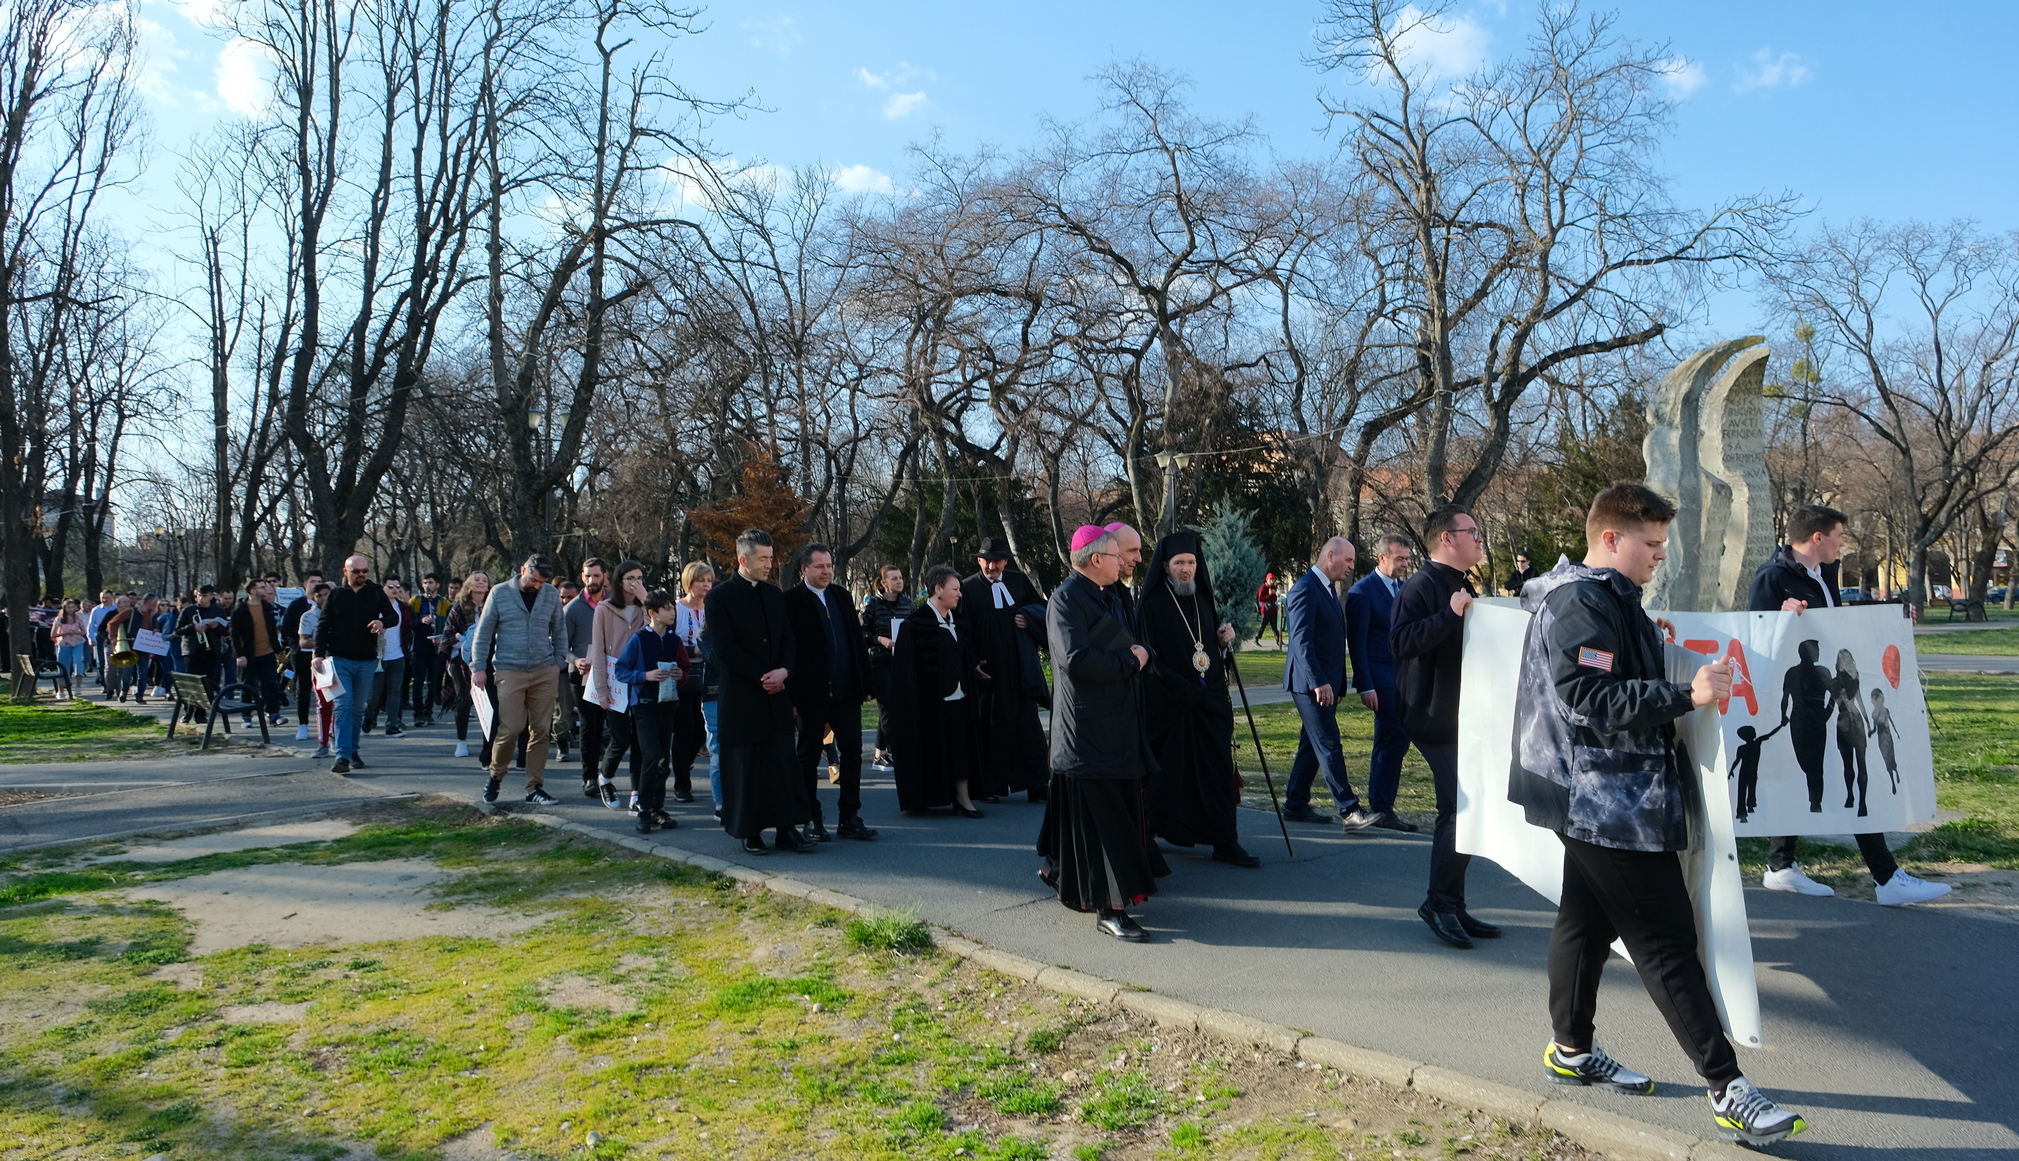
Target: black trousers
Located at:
point(1878, 856)
point(1639, 898)
point(261, 674)
point(424, 671)
point(1447, 865)
point(652, 731)
point(590, 742)
point(618, 739)
point(690, 733)
point(304, 688)
point(844, 716)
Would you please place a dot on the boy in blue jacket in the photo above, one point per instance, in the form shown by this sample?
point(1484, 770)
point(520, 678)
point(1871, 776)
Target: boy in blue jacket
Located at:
point(652, 665)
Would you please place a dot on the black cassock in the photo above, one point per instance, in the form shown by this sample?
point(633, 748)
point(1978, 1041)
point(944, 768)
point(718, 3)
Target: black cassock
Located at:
point(1188, 718)
point(932, 740)
point(1011, 743)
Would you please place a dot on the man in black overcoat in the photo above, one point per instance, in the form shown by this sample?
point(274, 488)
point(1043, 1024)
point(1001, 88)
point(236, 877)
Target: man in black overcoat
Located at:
point(1098, 855)
point(1193, 792)
point(751, 638)
point(1001, 614)
point(829, 683)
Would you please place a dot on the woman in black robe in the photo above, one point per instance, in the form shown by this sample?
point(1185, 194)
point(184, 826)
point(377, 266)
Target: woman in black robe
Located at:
point(1193, 790)
point(933, 675)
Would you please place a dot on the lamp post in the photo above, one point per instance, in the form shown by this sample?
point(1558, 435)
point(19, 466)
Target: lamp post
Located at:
point(1171, 462)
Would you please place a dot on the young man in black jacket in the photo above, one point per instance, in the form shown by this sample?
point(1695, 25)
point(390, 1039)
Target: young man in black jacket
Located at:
point(1803, 575)
point(882, 609)
point(829, 684)
point(1595, 761)
point(1426, 633)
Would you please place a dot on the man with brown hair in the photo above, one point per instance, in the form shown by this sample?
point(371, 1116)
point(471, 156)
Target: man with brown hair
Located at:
point(1595, 761)
point(1802, 575)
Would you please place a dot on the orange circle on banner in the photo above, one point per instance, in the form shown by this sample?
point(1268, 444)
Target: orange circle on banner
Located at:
point(1890, 663)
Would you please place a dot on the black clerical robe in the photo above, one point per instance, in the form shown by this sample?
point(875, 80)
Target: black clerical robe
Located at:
point(1010, 740)
point(1189, 719)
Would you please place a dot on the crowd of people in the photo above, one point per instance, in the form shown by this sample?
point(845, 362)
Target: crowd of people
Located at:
point(772, 684)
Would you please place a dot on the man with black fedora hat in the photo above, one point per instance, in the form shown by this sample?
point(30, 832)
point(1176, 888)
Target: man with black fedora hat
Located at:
point(1003, 614)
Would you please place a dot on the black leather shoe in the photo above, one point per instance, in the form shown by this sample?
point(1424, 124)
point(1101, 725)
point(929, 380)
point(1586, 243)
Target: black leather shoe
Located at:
point(817, 831)
point(643, 823)
point(1389, 820)
point(791, 840)
point(1477, 928)
point(1305, 814)
point(754, 846)
point(1233, 853)
point(853, 827)
point(1040, 795)
point(1444, 926)
point(1123, 926)
point(966, 812)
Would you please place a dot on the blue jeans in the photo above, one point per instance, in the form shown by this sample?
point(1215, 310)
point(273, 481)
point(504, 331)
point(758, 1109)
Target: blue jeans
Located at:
point(714, 753)
point(356, 677)
point(1391, 742)
point(1318, 746)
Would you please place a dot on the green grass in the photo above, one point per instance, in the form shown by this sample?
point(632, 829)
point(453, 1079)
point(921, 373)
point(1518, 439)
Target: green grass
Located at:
point(895, 931)
point(1987, 642)
point(1279, 726)
point(74, 730)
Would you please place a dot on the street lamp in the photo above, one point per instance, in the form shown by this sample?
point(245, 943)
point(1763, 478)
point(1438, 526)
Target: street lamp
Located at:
point(1171, 462)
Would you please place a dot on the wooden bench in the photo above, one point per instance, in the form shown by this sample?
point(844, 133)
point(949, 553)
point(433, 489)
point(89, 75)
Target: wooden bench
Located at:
point(194, 701)
point(31, 670)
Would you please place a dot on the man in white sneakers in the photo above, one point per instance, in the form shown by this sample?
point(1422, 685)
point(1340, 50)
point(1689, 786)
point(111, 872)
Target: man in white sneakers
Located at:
point(1803, 575)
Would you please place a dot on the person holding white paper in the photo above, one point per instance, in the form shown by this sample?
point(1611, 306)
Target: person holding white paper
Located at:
point(1595, 761)
point(616, 620)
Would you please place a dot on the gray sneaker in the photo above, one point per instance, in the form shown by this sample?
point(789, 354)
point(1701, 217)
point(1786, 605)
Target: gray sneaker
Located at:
point(1745, 1114)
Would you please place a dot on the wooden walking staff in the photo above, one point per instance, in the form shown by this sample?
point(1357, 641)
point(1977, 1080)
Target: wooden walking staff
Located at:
point(1257, 735)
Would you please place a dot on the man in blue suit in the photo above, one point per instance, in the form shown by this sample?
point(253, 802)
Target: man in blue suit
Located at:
point(1315, 675)
point(1367, 607)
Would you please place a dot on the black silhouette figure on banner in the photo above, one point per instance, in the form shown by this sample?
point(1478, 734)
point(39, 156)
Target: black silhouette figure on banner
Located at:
point(1882, 732)
point(1746, 767)
point(1851, 731)
point(1805, 706)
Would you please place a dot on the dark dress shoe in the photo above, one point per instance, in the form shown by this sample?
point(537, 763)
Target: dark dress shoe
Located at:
point(1477, 928)
point(817, 831)
point(1305, 814)
point(1040, 795)
point(1233, 853)
point(1444, 925)
point(754, 846)
point(791, 840)
point(1123, 926)
point(853, 827)
point(1389, 820)
point(966, 812)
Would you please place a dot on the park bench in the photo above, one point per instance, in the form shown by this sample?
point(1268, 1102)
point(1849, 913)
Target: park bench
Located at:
point(1971, 610)
point(193, 701)
point(32, 670)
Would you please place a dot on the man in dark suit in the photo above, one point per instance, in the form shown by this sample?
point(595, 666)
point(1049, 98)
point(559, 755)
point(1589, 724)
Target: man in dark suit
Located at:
point(1002, 616)
point(751, 639)
point(829, 683)
point(1314, 672)
point(1367, 607)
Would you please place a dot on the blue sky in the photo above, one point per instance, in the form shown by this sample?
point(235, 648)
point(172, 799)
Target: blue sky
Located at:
point(1865, 109)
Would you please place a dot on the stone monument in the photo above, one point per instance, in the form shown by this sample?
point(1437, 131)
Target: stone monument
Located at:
point(1706, 453)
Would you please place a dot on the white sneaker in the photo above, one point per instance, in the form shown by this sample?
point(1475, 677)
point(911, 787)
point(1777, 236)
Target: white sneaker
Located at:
point(462, 749)
point(1793, 880)
point(301, 733)
point(1905, 888)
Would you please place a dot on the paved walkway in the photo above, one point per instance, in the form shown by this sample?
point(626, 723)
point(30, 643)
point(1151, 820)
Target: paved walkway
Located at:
point(1892, 1029)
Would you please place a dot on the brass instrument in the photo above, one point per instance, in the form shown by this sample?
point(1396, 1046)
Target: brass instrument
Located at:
point(123, 656)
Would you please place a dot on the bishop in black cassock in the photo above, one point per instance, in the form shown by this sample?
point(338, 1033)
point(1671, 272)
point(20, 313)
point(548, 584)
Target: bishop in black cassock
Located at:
point(1013, 753)
point(1193, 790)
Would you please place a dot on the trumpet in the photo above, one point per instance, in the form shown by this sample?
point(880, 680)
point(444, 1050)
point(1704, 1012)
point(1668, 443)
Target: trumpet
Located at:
point(123, 656)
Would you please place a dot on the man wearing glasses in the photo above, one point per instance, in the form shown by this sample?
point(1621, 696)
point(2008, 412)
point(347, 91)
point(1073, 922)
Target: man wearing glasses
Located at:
point(1427, 635)
point(522, 636)
point(348, 634)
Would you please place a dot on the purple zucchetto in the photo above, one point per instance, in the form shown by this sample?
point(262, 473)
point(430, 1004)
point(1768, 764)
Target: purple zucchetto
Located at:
point(1086, 534)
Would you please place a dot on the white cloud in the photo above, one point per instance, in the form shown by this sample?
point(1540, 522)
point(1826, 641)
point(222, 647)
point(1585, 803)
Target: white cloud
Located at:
point(202, 13)
point(780, 34)
point(1771, 70)
point(1681, 76)
point(863, 179)
point(241, 78)
point(1442, 51)
point(903, 105)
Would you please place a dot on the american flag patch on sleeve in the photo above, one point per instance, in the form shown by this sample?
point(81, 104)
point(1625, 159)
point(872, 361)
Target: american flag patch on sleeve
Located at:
point(1595, 658)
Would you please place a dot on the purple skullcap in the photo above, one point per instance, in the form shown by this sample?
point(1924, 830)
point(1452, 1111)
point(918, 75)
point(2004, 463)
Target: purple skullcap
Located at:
point(1086, 534)
point(1117, 526)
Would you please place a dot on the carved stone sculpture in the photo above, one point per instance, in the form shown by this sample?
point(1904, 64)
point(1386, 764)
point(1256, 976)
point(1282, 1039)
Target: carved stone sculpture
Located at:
point(1706, 453)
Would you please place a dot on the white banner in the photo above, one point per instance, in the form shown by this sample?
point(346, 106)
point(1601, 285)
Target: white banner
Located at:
point(1492, 827)
point(149, 641)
